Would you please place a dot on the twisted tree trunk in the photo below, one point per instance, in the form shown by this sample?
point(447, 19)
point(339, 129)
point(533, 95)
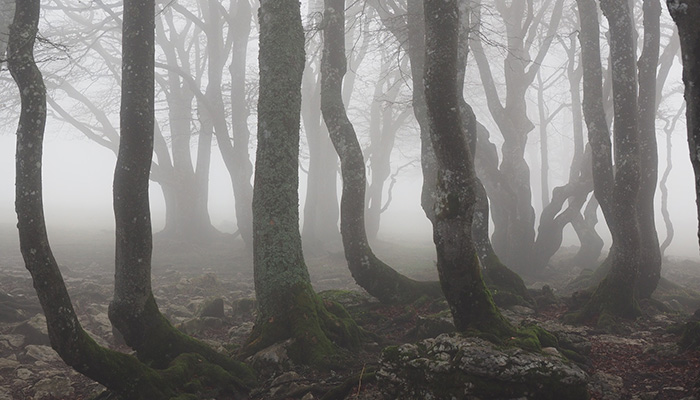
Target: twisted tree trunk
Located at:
point(458, 262)
point(379, 279)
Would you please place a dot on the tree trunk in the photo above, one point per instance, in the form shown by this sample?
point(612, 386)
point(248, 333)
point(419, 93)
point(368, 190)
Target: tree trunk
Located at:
point(287, 304)
point(458, 263)
point(243, 172)
point(650, 257)
point(214, 113)
point(686, 14)
point(133, 311)
point(514, 233)
point(122, 373)
point(615, 296)
point(321, 204)
point(373, 275)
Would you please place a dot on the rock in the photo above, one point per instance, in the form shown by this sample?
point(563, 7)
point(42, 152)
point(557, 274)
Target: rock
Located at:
point(430, 326)
point(34, 330)
point(42, 353)
point(11, 341)
point(455, 366)
point(552, 351)
point(5, 393)
point(212, 308)
point(274, 357)
point(24, 374)
point(606, 386)
point(56, 387)
point(6, 363)
point(242, 330)
point(288, 385)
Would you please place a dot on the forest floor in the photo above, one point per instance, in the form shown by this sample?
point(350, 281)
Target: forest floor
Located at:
point(642, 361)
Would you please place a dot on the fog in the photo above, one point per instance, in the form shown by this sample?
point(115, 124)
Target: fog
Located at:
point(78, 171)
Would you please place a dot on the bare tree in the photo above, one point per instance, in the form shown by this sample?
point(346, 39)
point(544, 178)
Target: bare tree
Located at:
point(513, 214)
point(124, 374)
point(458, 263)
point(287, 305)
point(686, 13)
point(615, 296)
point(379, 279)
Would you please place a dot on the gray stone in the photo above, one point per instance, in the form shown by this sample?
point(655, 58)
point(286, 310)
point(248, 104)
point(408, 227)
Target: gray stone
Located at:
point(24, 374)
point(11, 341)
point(212, 308)
point(605, 386)
point(241, 330)
point(455, 366)
point(42, 353)
point(274, 356)
point(57, 386)
point(34, 330)
point(6, 363)
point(5, 393)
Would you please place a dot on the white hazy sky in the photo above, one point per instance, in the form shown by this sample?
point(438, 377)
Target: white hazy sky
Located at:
point(78, 180)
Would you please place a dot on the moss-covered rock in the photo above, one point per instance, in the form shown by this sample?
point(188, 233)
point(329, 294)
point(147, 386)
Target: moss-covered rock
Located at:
point(456, 366)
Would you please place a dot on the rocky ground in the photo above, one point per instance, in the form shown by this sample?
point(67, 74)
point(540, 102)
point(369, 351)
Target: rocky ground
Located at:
point(642, 361)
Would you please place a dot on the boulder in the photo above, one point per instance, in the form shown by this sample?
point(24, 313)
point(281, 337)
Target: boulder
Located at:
point(455, 366)
point(212, 308)
point(34, 330)
point(54, 387)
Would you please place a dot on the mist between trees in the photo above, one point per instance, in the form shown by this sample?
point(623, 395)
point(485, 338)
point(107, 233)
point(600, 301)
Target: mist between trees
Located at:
point(506, 131)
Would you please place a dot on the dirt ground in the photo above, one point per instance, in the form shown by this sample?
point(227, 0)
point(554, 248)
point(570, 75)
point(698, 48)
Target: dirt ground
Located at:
point(642, 362)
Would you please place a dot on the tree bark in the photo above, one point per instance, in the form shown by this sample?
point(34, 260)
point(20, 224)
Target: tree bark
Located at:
point(615, 296)
point(287, 304)
point(458, 262)
point(650, 257)
point(133, 310)
point(373, 275)
point(119, 372)
point(685, 14)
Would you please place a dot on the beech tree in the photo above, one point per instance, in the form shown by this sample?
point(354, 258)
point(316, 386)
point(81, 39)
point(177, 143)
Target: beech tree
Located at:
point(379, 279)
point(513, 214)
point(124, 374)
point(685, 13)
point(458, 263)
point(288, 308)
point(408, 27)
point(615, 295)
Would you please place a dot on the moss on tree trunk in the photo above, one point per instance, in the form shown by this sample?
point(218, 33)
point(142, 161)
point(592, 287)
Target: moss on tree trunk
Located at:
point(458, 263)
point(288, 308)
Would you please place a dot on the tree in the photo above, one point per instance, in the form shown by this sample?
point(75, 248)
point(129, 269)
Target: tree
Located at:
point(121, 373)
point(408, 27)
point(513, 214)
point(458, 263)
point(379, 279)
point(685, 14)
point(650, 258)
point(614, 296)
point(287, 305)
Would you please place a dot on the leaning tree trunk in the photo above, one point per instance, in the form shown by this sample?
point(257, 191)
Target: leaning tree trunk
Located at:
point(133, 311)
point(686, 14)
point(373, 275)
point(615, 296)
point(650, 257)
point(287, 305)
point(121, 373)
point(458, 263)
